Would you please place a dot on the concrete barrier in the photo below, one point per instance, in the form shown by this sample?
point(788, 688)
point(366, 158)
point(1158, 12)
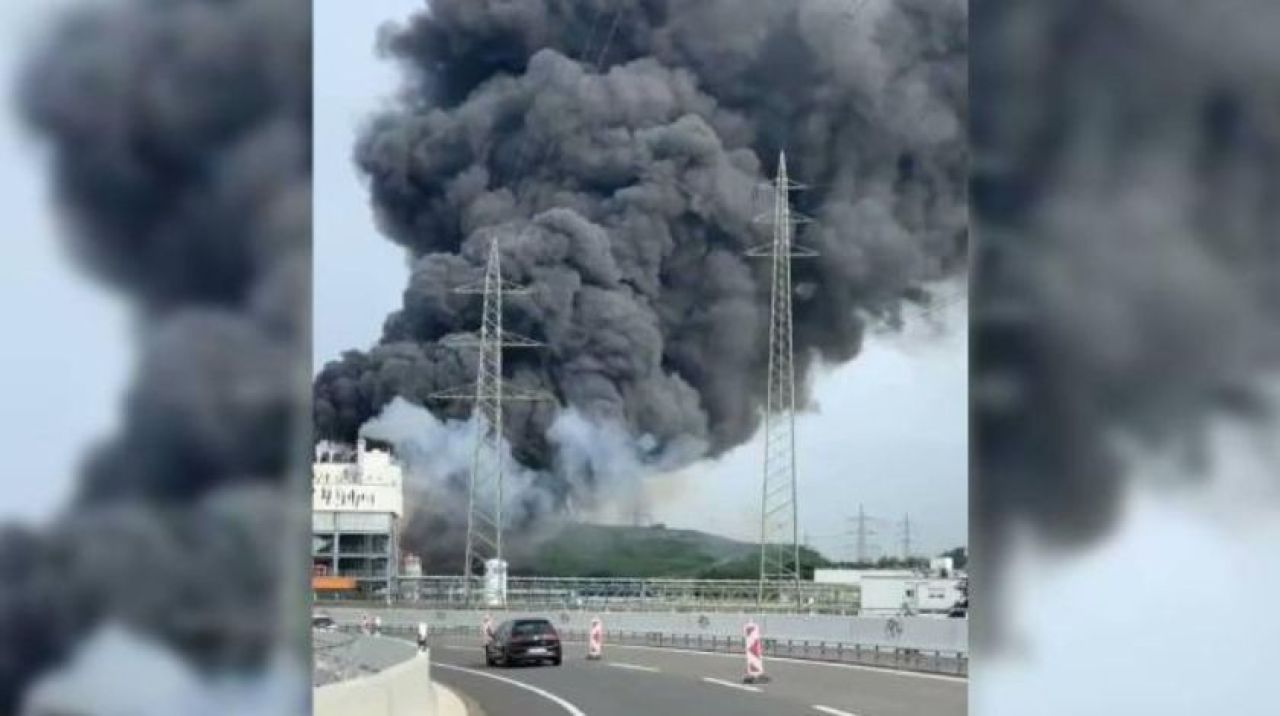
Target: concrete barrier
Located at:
point(921, 633)
point(404, 689)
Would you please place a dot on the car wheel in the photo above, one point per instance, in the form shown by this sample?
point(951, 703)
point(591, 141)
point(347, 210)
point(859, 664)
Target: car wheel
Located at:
point(555, 661)
point(489, 660)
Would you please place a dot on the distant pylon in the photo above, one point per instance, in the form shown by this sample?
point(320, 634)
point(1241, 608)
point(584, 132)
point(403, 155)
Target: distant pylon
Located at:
point(779, 514)
point(906, 537)
point(485, 497)
point(863, 532)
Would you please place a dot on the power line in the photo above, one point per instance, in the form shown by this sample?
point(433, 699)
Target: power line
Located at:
point(485, 496)
point(779, 512)
point(863, 531)
point(906, 537)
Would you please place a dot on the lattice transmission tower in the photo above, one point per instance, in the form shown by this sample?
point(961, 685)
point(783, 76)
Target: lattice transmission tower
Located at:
point(485, 494)
point(779, 514)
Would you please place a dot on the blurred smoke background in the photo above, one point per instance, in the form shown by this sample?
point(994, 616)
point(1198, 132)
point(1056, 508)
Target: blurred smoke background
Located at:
point(1127, 299)
point(156, 296)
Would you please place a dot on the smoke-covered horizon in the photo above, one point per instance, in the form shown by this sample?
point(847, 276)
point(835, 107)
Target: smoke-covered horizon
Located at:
point(618, 148)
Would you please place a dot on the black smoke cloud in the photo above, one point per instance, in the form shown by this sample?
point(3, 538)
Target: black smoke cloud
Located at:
point(179, 139)
point(617, 146)
point(1129, 271)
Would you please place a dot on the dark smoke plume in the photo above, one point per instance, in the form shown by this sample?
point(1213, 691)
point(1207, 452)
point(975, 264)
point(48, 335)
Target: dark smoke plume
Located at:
point(616, 145)
point(179, 133)
point(1128, 288)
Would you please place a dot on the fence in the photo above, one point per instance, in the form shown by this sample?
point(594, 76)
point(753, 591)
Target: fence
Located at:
point(451, 592)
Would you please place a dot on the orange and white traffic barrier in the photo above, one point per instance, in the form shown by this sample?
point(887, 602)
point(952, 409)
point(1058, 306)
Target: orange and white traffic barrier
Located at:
point(487, 627)
point(595, 640)
point(755, 655)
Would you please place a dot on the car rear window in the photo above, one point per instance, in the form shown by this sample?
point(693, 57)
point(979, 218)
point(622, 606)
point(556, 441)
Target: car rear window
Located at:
point(532, 628)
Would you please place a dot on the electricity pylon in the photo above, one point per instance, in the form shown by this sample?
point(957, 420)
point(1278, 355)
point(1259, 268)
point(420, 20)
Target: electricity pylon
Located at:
point(485, 497)
point(906, 537)
point(861, 554)
point(779, 514)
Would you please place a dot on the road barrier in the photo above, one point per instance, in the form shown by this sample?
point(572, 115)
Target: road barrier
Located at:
point(925, 634)
point(404, 689)
point(905, 658)
point(754, 651)
point(487, 627)
point(595, 640)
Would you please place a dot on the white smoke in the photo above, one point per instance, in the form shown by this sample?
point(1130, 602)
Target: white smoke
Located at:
point(437, 456)
point(608, 467)
point(434, 450)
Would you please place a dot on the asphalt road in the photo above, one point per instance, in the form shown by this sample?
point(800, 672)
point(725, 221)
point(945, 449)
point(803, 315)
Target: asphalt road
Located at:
point(645, 681)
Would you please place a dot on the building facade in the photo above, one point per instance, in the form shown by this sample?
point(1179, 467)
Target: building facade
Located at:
point(357, 502)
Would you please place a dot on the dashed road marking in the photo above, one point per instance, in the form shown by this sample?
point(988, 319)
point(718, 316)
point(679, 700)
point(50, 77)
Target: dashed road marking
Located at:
point(833, 712)
point(633, 667)
point(568, 707)
point(730, 684)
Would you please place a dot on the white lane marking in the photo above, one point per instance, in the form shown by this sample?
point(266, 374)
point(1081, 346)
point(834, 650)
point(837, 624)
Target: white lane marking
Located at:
point(833, 712)
point(633, 667)
point(958, 680)
point(568, 707)
point(730, 684)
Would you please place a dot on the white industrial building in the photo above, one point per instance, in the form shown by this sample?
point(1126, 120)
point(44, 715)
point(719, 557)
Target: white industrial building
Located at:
point(886, 595)
point(357, 502)
point(942, 566)
point(853, 577)
point(900, 591)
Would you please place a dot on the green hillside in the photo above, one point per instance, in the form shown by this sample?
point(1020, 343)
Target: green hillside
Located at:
point(588, 550)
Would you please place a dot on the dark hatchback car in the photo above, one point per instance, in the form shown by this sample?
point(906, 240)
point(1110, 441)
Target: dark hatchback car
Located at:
point(523, 641)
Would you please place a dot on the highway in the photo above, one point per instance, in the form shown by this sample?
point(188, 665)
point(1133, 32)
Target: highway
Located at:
point(647, 681)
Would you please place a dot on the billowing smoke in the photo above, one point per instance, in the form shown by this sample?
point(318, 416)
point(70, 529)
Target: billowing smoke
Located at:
point(1130, 270)
point(179, 136)
point(181, 154)
point(617, 146)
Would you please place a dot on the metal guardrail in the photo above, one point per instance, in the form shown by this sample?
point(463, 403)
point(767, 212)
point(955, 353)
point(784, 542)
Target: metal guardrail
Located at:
point(935, 661)
point(619, 594)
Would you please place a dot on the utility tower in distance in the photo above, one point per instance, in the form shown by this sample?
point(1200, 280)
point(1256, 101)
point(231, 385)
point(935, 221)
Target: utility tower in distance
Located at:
point(861, 552)
point(485, 498)
point(906, 537)
point(779, 518)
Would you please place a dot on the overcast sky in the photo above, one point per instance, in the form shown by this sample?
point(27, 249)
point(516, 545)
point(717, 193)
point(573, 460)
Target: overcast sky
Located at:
point(66, 353)
point(890, 431)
